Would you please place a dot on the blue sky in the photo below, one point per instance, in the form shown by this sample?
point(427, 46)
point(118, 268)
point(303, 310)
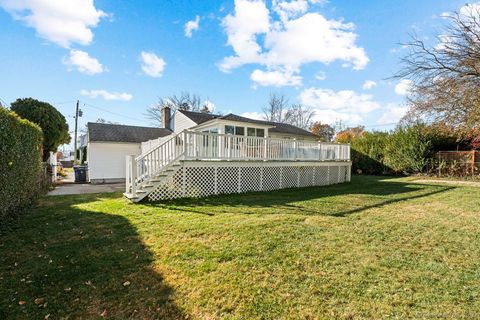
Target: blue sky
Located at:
point(119, 57)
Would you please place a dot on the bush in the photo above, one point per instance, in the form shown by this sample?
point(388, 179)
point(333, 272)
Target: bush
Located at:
point(407, 150)
point(20, 163)
point(368, 153)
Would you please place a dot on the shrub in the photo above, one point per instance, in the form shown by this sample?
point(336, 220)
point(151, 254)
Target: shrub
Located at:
point(20, 163)
point(368, 153)
point(407, 150)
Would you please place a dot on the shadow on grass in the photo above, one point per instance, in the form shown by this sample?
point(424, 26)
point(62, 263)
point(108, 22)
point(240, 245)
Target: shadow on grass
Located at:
point(380, 191)
point(72, 263)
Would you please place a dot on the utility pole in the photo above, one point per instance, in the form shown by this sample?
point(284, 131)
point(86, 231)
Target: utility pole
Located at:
point(75, 141)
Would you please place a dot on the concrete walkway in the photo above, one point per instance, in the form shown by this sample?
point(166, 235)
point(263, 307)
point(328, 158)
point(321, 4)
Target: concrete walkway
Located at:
point(84, 188)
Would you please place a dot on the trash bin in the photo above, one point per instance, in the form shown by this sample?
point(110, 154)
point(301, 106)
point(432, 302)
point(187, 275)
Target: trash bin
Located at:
point(80, 174)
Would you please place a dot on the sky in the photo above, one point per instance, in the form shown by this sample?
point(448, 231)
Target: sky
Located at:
point(120, 57)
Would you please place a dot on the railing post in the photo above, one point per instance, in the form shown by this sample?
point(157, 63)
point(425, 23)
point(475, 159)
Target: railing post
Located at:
point(133, 174)
point(294, 149)
point(184, 133)
point(265, 145)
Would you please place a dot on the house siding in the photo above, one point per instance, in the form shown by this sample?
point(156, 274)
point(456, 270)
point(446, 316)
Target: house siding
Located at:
point(106, 160)
point(182, 122)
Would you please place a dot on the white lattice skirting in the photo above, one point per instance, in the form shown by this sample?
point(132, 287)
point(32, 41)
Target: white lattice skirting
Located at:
point(204, 178)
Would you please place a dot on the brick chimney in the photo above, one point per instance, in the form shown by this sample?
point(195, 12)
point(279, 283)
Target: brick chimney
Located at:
point(166, 117)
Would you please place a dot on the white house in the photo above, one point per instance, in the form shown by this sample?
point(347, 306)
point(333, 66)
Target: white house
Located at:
point(197, 154)
point(109, 144)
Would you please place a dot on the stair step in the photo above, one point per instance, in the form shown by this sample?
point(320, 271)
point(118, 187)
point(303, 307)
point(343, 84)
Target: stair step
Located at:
point(130, 196)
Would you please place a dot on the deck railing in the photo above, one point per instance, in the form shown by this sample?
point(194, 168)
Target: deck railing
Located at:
point(192, 145)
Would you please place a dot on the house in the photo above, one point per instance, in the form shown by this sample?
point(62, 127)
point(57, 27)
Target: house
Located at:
point(209, 154)
point(198, 154)
point(109, 144)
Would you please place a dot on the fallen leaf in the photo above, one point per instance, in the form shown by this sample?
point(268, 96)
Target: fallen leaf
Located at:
point(104, 313)
point(126, 283)
point(21, 302)
point(39, 300)
point(67, 289)
point(88, 283)
point(47, 316)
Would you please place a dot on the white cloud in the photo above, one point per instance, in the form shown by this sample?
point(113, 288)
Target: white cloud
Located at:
point(152, 64)
point(369, 84)
point(109, 96)
point(210, 105)
point(58, 21)
point(298, 37)
point(253, 115)
point(82, 62)
point(345, 105)
point(191, 26)
point(403, 87)
point(275, 78)
point(321, 75)
point(392, 114)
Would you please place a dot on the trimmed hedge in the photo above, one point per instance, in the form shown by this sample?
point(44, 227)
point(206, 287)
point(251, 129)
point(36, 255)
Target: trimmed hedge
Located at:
point(21, 179)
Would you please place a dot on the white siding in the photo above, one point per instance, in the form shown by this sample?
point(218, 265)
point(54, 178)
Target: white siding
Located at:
point(275, 135)
point(106, 161)
point(181, 122)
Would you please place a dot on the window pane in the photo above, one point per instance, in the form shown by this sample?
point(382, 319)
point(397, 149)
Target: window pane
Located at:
point(260, 132)
point(229, 130)
point(240, 131)
point(251, 132)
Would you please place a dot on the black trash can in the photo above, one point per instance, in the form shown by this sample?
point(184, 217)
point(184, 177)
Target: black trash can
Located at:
point(80, 174)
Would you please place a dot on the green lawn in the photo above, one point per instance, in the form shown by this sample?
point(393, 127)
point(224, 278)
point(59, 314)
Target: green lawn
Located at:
point(374, 248)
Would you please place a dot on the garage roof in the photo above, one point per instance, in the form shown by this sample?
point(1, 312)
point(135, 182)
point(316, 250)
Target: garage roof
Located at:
point(105, 132)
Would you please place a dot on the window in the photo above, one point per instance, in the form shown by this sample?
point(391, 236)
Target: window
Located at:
point(229, 130)
point(255, 132)
point(238, 131)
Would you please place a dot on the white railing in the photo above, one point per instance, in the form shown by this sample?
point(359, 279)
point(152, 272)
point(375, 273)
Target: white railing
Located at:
point(192, 145)
point(214, 146)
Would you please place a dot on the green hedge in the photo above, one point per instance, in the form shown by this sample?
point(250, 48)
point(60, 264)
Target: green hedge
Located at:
point(21, 173)
point(402, 151)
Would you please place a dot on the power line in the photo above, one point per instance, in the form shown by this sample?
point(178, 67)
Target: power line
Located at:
point(111, 112)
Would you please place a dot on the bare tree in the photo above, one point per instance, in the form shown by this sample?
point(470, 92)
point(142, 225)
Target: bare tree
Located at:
point(445, 78)
point(299, 116)
point(276, 109)
point(185, 101)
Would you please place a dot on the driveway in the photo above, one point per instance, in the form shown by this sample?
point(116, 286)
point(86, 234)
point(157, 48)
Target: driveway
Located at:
point(66, 186)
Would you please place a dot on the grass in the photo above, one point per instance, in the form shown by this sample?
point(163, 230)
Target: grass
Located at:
point(374, 248)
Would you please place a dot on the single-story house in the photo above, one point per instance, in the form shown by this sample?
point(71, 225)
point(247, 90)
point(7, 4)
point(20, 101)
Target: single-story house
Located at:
point(109, 144)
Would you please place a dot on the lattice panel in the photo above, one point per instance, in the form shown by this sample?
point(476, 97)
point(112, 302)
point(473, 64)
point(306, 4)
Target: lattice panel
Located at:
point(306, 176)
point(169, 189)
point(227, 179)
point(333, 174)
point(343, 173)
point(199, 181)
point(290, 177)
point(250, 179)
point(271, 178)
point(321, 176)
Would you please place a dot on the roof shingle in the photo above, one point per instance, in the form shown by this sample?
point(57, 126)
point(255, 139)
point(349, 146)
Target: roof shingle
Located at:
point(103, 132)
point(285, 128)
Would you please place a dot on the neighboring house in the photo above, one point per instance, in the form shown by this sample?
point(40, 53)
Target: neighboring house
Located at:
point(109, 144)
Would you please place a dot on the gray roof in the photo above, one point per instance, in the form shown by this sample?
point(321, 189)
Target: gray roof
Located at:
point(284, 128)
point(104, 132)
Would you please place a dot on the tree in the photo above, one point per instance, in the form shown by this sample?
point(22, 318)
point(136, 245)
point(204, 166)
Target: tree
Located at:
point(325, 131)
point(276, 109)
point(185, 101)
point(445, 77)
point(49, 119)
point(350, 134)
point(299, 116)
